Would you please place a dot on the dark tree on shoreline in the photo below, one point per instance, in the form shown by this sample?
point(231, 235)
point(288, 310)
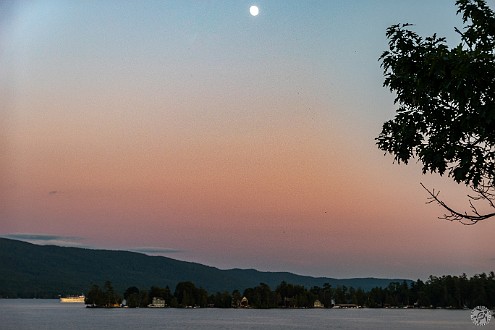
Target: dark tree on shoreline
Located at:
point(102, 298)
point(446, 106)
point(437, 292)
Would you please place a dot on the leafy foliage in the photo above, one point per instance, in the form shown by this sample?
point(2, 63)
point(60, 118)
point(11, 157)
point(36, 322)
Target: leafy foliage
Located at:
point(446, 97)
point(446, 100)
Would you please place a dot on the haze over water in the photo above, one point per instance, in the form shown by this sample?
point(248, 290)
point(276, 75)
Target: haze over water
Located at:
point(194, 130)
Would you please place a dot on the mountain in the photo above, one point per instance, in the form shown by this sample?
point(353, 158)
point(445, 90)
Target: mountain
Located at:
point(46, 271)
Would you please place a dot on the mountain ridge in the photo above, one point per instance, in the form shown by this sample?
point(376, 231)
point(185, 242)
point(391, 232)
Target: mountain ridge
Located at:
point(46, 271)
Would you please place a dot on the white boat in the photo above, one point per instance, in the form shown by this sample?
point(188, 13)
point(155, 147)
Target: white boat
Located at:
point(72, 299)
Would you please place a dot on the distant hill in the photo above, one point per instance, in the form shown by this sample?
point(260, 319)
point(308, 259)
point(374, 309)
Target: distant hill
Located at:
point(46, 271)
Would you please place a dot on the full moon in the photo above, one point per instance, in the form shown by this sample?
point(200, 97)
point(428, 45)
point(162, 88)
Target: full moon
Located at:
point(254, 10)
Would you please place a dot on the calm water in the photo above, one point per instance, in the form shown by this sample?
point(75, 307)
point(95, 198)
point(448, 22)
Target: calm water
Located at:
point(20, 314)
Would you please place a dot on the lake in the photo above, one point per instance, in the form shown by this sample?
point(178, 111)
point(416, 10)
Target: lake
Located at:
point(20, 314)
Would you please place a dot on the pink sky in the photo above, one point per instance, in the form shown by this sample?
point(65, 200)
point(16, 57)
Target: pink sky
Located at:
point(230, 140)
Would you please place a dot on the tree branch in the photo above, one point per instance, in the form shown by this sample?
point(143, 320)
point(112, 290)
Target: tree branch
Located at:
point(463, 37)
point(484, 193)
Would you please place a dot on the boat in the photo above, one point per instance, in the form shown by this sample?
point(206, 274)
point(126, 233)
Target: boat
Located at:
point(72, 299)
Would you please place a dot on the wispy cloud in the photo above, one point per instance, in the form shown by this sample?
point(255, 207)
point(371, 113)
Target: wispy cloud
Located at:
point(76, 241)
point(45, 239)
point(155, 250)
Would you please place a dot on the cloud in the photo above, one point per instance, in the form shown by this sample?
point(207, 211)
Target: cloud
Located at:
point(75, 241)
point(44, 239)
point(155, 250)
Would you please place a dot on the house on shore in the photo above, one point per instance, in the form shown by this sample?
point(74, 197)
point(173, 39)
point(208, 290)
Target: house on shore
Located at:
point(318, 304)
point(157, 302)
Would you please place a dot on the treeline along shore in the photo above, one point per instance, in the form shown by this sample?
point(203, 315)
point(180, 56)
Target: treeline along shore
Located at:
point(455, 292)
point(46, 271)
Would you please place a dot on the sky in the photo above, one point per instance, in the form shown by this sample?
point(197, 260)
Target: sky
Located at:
point(193, 130)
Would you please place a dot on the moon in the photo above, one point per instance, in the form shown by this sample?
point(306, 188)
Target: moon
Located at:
point(254, 10)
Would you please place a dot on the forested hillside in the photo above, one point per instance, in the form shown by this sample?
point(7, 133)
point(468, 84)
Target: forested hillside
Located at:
point(29, 270)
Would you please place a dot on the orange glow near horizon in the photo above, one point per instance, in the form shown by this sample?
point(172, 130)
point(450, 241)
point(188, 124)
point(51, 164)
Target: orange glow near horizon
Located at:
point(239, 142)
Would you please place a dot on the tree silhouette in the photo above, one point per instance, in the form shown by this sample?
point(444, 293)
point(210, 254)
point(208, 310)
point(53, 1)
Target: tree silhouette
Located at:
point(446, 105)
